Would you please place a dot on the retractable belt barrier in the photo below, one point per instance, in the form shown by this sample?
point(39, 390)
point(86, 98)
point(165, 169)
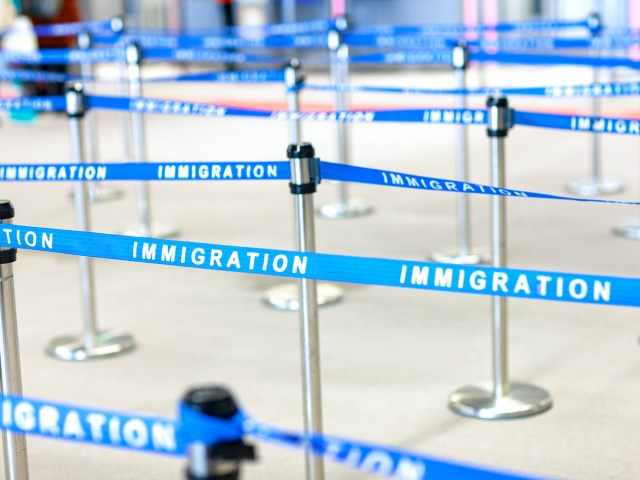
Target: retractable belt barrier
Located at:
point(532, 284)
point(167, 436)
point(582, 123)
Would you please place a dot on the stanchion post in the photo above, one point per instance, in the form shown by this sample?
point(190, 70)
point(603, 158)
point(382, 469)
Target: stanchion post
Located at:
point(339, 70)
point(14, 445)
point(97, 191)
point(117, 28)
point(93, 343)
point(304, 179)
point(597, 184)
point(285, 296)
point(221, 460)
point(464, 254)
point(145, 228)
point(503, 399)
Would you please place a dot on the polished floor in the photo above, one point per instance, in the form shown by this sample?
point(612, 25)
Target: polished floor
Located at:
point(390, 357)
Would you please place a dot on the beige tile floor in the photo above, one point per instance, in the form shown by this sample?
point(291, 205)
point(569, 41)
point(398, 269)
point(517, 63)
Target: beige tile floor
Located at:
point(390, 357)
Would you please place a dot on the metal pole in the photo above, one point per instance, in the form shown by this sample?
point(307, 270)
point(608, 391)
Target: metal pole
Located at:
point(117, 27)
point(97, 191)
point(14, 445)
point(285, 296)
point(145, 228)
point(221, 460)
point(339, 70)
point(463, 255)
point(596, 185)
point(93, 343)
point(503, 399)
point(288, 11)
point(304, 178)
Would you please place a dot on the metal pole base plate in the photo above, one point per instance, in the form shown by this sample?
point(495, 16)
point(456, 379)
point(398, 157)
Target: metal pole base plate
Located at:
point(522, 400)
point(461, 259)
point(592, 188)
point(157, 230)
point(107, 344)
point(102, 193)
point(355, 207)
point(286, 296)
point(628, 228)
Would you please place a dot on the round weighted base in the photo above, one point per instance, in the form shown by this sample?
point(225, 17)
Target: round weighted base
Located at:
point(107, 344)
point(355, 207)
point(592, 188)
point(628, 228)
point(523, 400)
point(468, 259)
point(102, 193)
point(286, 297)
point(158, 230)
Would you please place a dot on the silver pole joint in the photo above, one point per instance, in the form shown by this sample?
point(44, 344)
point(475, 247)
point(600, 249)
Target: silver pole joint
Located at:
point(117, 25)
point(305, 169)
point(75, 100)
point(594, 24)
point(500, 117)
point(7, 212)
point(133, 54)
point(460, 56)
point(84, 40)
point(293, 79)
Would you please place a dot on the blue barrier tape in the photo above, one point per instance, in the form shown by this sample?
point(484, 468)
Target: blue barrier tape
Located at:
point(56, 56)
point(609, 89)
point(65, 29)
point(275, 170)
point(531, 284)
point(202, 55)
point(151, 434)
point(216, 42)
point(377, 459)
point(397, 41)
point(450, 29)
point(176, 107)
point(89, 425)
point(242, 76)
point(157, 171)
point(38, 104)
point(426, 57)
point(578, 123)
point(528, 59)
point(371, 176)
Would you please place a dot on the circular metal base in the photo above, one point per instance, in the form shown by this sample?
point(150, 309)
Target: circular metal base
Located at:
point(158, 230)
point(285, 296)
point(107, 344)
point(468, 259)
point(101, 193)
point(628, 228)
point(591, 188)
point(523, 400)
point(355, 207)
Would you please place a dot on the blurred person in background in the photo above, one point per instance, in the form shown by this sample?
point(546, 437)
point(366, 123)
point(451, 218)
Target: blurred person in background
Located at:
point(48, 12)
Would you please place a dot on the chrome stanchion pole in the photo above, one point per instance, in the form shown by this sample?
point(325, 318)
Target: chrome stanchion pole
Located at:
point(464, 254)
point(93, 343)
point(145, 228)
point(285, 297)
point(117, 27)
point(339, 66)
point(221, 460)
point(97, 191)
point(628, 228)
point(501, 399)
point(304, 178)
point(14, 445)
point(597, 184)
